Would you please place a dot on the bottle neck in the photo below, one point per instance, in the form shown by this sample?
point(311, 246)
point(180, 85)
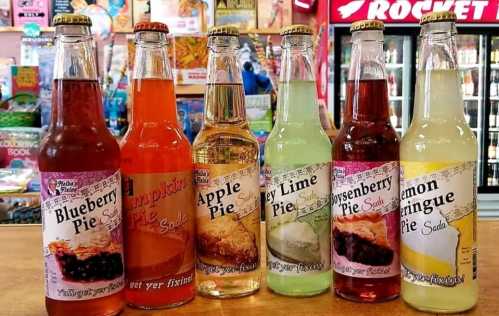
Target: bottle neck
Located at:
point(438, 88)
point(77, 98)
point(297, 100)
point(367, 95)
point(224, 96)
point(152, 80)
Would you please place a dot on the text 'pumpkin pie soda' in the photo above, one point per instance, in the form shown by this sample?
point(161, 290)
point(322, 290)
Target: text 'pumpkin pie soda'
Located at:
point(157, 183)
point(438, 181)
point(365, 199)
point(226, 176)
point(298, 178)
point(79, 164)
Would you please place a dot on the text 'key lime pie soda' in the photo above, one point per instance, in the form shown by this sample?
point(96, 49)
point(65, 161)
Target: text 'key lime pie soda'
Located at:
point(226, 176)
point(438, 181)
point(297, 176)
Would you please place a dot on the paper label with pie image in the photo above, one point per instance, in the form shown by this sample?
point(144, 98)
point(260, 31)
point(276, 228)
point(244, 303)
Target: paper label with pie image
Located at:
point(159, 230)
point(366, 219)
point(228, 218)
point(438, 223)
point(82, 237)
point(298, 215)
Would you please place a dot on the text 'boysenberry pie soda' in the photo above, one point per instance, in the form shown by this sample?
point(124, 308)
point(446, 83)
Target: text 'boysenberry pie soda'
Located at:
point(79, 165)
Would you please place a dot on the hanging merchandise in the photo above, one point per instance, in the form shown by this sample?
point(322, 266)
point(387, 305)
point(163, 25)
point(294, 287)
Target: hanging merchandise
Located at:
point(31, 12)
point(241, 14)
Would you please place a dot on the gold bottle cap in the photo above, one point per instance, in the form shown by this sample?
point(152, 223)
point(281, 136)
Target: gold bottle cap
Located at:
point(223, 30)
point(150, 26)
point(367, 25)
point(71, 19)
point(296, 29)
point(439, 16)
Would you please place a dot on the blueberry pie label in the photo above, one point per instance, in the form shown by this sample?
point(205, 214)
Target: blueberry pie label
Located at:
point(227, 201)
point(82, 237)
point(366, 219)
point(298, 219)
point(438, 223)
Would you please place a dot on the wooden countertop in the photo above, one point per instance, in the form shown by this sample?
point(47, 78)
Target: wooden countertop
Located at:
point(21, 286)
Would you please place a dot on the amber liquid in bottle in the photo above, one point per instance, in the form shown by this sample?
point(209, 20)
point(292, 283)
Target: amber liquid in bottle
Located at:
point(78, 141)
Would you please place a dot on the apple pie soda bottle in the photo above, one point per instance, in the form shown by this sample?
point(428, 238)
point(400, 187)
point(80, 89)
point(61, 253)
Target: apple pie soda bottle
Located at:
point(438, 181)
point(158, 195)
point(298, 178)
point(79, 163)
point(365, 199)
point(226, 176)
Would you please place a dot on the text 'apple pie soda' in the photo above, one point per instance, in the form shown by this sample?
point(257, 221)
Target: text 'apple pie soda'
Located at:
point(226, 176)
point(298, 178)
point(438, 181)
point(365, 199)
point(79, 165)
point(158, 195)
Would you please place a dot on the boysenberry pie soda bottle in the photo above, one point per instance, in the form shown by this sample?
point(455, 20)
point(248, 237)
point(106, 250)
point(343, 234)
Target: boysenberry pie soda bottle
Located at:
point(80, 185)
point(365, 200)
point(157, 183)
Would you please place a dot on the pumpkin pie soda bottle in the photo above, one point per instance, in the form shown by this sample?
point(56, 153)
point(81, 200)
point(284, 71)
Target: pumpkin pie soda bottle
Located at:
point(438, 181)
point(158, 195)
point(226, 174)
point(79, 164)
point(298, 178)
point(365, 199)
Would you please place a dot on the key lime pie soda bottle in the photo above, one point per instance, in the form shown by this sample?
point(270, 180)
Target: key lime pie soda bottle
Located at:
point(79, 165)
point(226, 176)
point(438, 181)
point(297, 178)
point(365, 199)
point(158, 195)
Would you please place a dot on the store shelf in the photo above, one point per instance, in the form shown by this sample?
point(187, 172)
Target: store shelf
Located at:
point(471, 98)
point(394, 66)
point(395, 98)
point(14, 29)
point(20, 195)
point(469, 66)
point(494, 66)
point(493, 160)
point(494, 98)
point(189, 89)
point(493, 129)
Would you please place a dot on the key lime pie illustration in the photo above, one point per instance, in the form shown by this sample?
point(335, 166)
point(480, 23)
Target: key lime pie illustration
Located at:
point(92, 256)
point(226, 241)
point(363, 239)
point(294, 242)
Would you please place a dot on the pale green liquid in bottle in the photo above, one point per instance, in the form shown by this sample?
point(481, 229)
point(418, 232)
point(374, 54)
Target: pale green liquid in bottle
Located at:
point(297, 140)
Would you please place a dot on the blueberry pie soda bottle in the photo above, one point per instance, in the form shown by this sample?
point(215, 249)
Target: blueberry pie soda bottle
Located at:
point(79, 163)
point(365, 176)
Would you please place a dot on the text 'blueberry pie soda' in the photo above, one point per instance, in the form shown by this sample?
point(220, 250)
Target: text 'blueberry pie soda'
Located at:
point(365, 177)
point(79, 165)
point(158, 195)
point(438, 181)
point(298, 178)
point(226, 176)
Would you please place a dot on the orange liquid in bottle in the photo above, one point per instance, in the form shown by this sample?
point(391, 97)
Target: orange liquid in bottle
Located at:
point(158, 200)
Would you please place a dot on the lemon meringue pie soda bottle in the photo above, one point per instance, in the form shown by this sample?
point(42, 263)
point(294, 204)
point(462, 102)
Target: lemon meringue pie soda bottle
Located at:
point(438, 181)
point(226, 176)
point(297, 178)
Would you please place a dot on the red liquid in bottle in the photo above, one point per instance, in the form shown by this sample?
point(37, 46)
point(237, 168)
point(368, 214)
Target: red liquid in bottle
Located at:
point(367, 136)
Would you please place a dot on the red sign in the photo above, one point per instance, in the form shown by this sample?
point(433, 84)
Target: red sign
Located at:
point(410, 11)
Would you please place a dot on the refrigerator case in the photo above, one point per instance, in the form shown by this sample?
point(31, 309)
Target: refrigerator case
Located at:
point(398, 50)
point(492, 152)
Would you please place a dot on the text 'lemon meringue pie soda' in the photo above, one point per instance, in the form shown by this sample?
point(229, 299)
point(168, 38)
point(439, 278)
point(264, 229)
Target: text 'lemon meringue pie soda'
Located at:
point(226, 176)
point(79, 165)
point(158, 195)
point(365, 199)
point(438, 181)
point(298, 178)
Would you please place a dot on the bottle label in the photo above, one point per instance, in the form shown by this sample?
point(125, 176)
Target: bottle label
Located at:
point(228, 218)
point(82, 237)
point(159, 230)
point(438, 223)
point(366, 226)
point(298, 216)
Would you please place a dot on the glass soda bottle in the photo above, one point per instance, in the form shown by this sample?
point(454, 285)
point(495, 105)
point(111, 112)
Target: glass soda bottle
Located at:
point(79, 163)
point(438, 181)
point(157, 183)
point(226, 176)
point(365, 200)
point(297, 176)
